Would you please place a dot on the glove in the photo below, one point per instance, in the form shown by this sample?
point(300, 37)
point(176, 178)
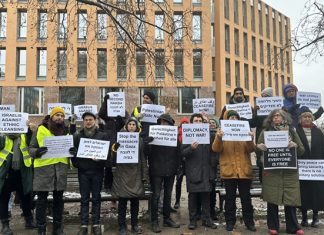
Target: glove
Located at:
point(106, 98)
point(262, 147)
point(73, 151)
point(292, 144)
point(116, 146)
point(40, 152)
point(148, 139)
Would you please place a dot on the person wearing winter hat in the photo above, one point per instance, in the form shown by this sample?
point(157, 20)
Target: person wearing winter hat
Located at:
point(267, 92)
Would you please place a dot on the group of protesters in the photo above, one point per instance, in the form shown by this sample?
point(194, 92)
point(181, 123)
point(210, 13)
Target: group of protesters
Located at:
point(24, 169)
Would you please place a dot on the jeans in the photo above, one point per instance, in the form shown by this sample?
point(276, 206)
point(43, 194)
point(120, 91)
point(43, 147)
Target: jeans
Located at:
point(198, 202)
point(90, 181)
point(178, 188)
point(122, 206)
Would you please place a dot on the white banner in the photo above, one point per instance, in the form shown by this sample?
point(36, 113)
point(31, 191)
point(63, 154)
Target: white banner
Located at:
point(94, 149)
point(164, 135)
point(7, 108)
point(67, 108)
point(195, 133)
point(79, 110)
point(243, 109)
point(13, 122)
point(310, 99)
point(129, 147)
point(58, 146)
point(311, 169)
point(235, 130)
point(205, 105)
point(116, 104)
point(267, 104)
point(151, 112)
point(276, 139)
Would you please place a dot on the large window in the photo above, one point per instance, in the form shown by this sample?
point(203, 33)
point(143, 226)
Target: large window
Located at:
point(178, 64)
point(62, 25)
point(269, 79)
point(228, 71)
point(244, 13)
point(245, 45)
point(262, 79)
point(196, 26)
point(82, 25)
point(41, 63)
point(21, 62)
point(261, 52)
point(159, 25)
point(82, 64)
point(159, 65)
point(197, 64)
point(253, 49)
point(61, 64)
point(72, 95)
point(22, 24)
point(2, 63)
point(121, 64)
point(255, 79)
point(275, 57)
point(267, 21)
point(102, 26)
point(237, 42)
point(178, 24)
point(121, 35)
point(140, 27)
point(226, 9)
point(31, 100)
point(185, 97)
point(288, 61)
point(140, 65)
point(3, 24)
point(280, 29)
point(252, 16)
point(102, 64)
point(268, 55)
point(274, 26)
point(236, 16)
point(227, 38)
point(237, 74)
point(260, 18)
point(276, 84)
point(246, 77)
point(42, 24)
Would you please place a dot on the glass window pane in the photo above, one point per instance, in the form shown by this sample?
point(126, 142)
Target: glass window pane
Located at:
point(72, 95)
point(82, 64)
point(31, 100)
point(102, 26)
point(3, 24)
point(196, 27)
point(102, 63)
point(159, 22)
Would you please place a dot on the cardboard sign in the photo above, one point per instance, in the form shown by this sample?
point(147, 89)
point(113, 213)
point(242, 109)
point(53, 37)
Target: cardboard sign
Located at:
point(195, 133)
point(267, 104)
point(151, 112)
point(58, 146)
point(243, 109)
point(311, 169)
point(94, 149)
point(129, 147)
point(116, 104)
point(236, 130)
point(13, 122)
point(79, 110)
point(67, 108)
point(280, 158)
point(164, 135)
point(276, 139)
point(7, 108)
point(205, 105)
point(310, 99)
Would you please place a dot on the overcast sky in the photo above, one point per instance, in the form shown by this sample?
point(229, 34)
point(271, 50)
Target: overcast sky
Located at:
point(307, 77)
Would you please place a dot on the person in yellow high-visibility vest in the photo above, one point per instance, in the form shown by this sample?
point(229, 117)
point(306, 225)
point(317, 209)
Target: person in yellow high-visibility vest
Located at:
point(15, 175)
point(49, 174)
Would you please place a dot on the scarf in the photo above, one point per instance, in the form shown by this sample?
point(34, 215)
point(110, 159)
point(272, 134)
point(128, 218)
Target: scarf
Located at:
point(281, 127)
point(89, 132)
point(307, 126)
point(16, 154)
point(56, 129)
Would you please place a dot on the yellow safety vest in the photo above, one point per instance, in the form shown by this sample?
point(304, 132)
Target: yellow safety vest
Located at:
point(39, 162)
point(6, 150)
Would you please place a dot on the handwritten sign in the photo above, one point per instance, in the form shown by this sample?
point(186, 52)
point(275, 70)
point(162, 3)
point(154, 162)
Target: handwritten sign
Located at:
point(151, 112)
point(94, 149)
point(310, 99)
point(267, 104)
point(311, 169)
point(58, 146)
point(67, 108)
point(280, 158)
point(79, 110)
point(164, 135)
point(276, 139)
point(116, 104)
point(243, 109)
point(13, 122)
point(204, 105)
point(129, 147)
point(235, 130)
point(195, 133)
point(7, 108)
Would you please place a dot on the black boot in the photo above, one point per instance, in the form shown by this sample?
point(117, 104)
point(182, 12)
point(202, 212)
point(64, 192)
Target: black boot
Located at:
point(41, 229)
point(58, 228)
point(315, 222)
point(29, 223)
point(304, 221)
point(83, 230)
point(6, 228)
point(96, 229)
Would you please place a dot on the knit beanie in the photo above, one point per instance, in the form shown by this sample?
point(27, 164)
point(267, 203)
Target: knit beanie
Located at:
point(56, 110)
point(267, 92)
point(150, 94)
point(289, 87)
point(232, 113)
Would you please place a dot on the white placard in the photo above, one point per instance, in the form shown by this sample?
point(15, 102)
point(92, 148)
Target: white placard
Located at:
point(235, 130)
point(243, 109)
point(151, 112)
point(164, 135)
point(13, 122)
point(128, 149)
point(94, 149)
point(276, 139)
point(310, 99)
point(116, 104)
point(58, 146)
point(195, 133)
point(7, 108)
point(267, 104)
point(79, 110)
point(67, 108)
point(205, 105)
point(311, 169)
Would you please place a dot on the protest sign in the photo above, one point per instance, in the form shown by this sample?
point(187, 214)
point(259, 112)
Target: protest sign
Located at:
point(7, 108)
point(310, 99)
point(13, 122)
point(243, 109)
point(67, 108)
point(204, 105)
point(235, 130)
point(58, 146)
point(129, 147)
point(276, 139)
point(94, 149)
point(312, 169)
point(195, 133)
point(280, 158)
point(164, 135)
point(267, 104)
point(151, 112)
point(79, 110)
point(116, 104)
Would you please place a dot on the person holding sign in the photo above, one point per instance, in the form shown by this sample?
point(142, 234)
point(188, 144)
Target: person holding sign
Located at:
point(90, 173)
point(129, 181)
point(237, 97)
point(311, 191)
point(49, 174)
point(281, 186)
point(236, 171)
